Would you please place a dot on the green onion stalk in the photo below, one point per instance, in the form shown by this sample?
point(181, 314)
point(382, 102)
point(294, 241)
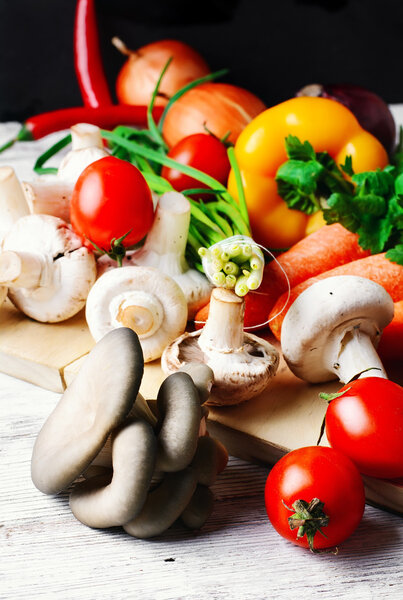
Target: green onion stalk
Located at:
point(219, 240)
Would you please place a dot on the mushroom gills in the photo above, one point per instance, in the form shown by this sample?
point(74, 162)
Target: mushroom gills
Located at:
point(242, 363)
point(144, 299)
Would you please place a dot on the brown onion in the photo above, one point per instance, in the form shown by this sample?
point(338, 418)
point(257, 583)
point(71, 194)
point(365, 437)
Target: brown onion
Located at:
point(219, 107)
point(139, 75)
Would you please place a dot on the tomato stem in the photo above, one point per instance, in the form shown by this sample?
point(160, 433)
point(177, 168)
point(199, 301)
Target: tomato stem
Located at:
point(308, 518)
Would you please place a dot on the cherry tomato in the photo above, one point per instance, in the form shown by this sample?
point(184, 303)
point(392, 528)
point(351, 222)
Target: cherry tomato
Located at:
point(201, 151)
point(366, 424)
point(110, 199)
point(315, 472)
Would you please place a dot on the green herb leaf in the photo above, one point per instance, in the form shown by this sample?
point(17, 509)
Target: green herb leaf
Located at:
point(296, 150)
point(297, 182)
point(396, 254)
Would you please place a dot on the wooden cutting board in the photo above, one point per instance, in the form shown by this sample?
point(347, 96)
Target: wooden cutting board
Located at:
point(287, 415)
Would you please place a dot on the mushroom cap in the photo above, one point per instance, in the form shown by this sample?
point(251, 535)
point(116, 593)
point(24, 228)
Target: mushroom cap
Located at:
point(69, 268)
point(97, 401)
point(238, 376)
point(317, 321)
point(178, 402)
point(101, 502)
point(163, 309)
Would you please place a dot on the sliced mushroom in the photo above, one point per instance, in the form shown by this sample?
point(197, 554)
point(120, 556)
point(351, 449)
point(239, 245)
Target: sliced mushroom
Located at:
point(51, 194)
point(46, 268)
point(98, 502)
point(12, 201)
point(97, 401)
point(179, 404)
point(142, 298)
point(332, 328)
point(242, 363)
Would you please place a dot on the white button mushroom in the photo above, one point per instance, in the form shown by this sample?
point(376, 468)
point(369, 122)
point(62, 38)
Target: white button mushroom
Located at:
point(46, 268)
point(242, 363)
point(12, 201)
point(164, 249)
point(332, 328)
point(142, 298)
point(51, 194)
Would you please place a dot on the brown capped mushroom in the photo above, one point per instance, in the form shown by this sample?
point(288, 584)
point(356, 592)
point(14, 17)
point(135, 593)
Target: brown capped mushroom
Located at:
point(97, 401)
point(332, 329)
point(242, 363)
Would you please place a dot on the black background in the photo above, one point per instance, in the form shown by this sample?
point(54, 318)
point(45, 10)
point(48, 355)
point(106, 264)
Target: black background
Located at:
point(271, 47)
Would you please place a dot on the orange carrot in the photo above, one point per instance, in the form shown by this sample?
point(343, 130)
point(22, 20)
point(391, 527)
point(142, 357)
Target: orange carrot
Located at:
point(391, 344)
point(375, 267)
point(326, 248)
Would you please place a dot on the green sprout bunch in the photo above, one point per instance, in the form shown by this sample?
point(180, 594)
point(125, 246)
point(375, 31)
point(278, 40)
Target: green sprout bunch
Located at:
point(235, 263)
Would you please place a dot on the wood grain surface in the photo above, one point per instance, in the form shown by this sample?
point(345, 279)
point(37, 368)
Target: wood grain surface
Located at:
point(46, 553)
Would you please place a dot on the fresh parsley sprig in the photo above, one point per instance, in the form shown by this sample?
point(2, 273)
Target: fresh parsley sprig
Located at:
point(370, 204)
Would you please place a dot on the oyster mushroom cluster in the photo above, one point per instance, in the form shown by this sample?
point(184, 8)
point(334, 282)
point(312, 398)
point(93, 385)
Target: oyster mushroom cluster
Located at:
point(130, 466)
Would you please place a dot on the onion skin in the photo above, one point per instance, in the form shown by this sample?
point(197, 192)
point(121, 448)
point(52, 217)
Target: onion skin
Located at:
point(139, 75)
point(371, 111)
point(219, 107)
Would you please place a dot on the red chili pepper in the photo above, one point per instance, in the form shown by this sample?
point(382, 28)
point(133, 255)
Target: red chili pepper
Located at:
point(87, 57)
point(104, 116)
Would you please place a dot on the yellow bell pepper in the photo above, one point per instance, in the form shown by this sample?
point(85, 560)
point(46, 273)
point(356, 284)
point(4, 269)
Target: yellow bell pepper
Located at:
point(260, 151)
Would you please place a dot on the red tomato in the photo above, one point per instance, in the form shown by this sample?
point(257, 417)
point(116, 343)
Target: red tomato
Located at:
point(201, 151)
point(316, 472)
point(111, 198)
point(366, 424)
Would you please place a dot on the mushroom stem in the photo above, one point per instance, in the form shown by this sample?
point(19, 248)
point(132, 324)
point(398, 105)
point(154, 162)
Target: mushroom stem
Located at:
point(141, 312)
point(85, 135)
point(166, 241)
point(357, 355)
point(224, 328)
point(12, 200)
point(21, 269)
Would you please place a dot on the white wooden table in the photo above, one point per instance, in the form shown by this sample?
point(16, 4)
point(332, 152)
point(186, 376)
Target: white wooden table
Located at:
point(46, 553)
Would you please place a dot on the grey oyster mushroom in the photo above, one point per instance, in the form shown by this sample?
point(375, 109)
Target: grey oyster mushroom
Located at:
point(333, 327)
point(243, 364)
point(199, 508)
point(142, 298)
point(133, 459)
point(97, 401)
point(179, 494)
point(140, 471)
point(178, 402)
point(51, 194)
point(47, 270)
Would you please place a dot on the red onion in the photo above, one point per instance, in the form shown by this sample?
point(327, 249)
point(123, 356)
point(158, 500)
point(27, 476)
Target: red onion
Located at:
point(370, 110)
